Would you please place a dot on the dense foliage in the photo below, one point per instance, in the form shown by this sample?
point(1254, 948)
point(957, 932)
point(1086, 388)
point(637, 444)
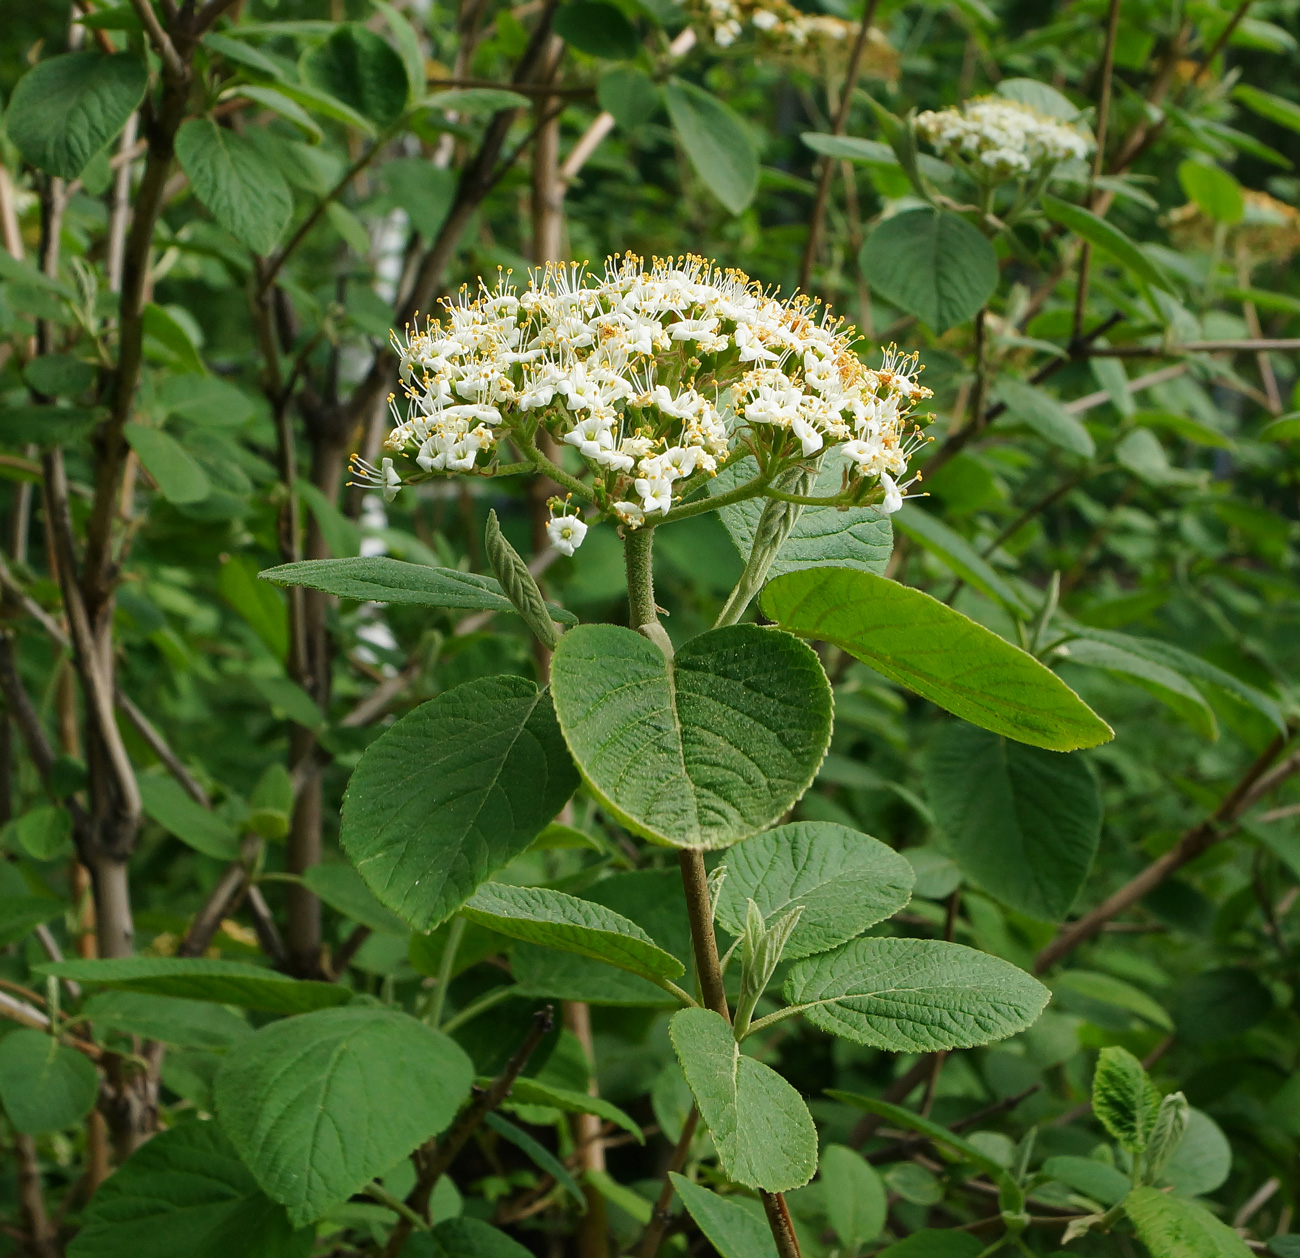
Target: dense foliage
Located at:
point(371, 840)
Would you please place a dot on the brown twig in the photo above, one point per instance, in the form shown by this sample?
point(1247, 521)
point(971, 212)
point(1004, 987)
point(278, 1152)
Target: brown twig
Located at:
point(433, 1160)
point(653, 1236)
point(837, 128)
point(1259, 779)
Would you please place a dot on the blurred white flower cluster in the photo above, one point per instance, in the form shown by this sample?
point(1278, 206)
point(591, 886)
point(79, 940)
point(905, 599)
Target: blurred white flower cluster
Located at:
point(652, 377)
point(1002, 138)
point(789, 29)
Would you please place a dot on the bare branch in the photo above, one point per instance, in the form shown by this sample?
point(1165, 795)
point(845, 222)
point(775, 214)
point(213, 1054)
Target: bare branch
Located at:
point(176, 67)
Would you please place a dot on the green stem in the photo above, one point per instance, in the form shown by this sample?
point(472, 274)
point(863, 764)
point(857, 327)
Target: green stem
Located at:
point(541, 463)
point(803, 500)
point(750, 489)
point(688, 1001)
point(772, 1018)
point(445, 967)
point(638, 556)
point(376, 1192)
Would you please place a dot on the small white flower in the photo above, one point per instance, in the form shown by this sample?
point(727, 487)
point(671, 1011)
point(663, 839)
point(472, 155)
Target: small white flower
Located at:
point(631, 514)
point(893, 499)
point(656, 494)
point(566, 533)
point(810, 438)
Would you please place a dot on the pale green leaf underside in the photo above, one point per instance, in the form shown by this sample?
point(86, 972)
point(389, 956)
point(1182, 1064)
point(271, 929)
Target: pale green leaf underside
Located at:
point(556, 919)
point(312, 1106)
point(761, 1127)
point(186, 1192)
point(702, 751)
point(1171, 1227)
point(379, 579)
point(453, 792)
point(822, 537)
point(846, 881)
point(915, 995)
point(945, 657)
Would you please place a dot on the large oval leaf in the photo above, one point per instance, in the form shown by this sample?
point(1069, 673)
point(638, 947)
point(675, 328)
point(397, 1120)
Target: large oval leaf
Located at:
point(186, 1192)
point(1021, 822)
point(319, 1105)
point(44, 1086)
point(174, 469)
point(761, 1127)
point(716, 141)
point(66, 109)
point(933, 264)
point(699, 751)
point(943, 656)
point(452, 793)
point(846, 881)
point(238, 187)
point(362, 70)
point(915, 995)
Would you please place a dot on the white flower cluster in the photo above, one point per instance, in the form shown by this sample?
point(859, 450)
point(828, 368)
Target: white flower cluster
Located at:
point(651, 376)
point(788, 29)
point(1004, 137)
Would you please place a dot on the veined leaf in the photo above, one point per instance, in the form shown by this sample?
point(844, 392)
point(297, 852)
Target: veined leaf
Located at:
point(855, 1197)
point(44, 1086)
point(1104, 236)
point(845, 881)
point(557, 920)
point(945, 657)
point(1021, 822)
point(198, 978)
point(716, 141)
point(343, 889)
point(763, 1131)
point(540, 1154)
point(186, 1191)
point(1124, 1100)
point(1040, 411)
point(1172, 1227)
point(699, 751)
point(311, 1105)
point(914, 995)
point(453, 792)
point(731, 1229)
point(361, 69)
point(534, 1092)
point(378, 579)
point(188, 1023)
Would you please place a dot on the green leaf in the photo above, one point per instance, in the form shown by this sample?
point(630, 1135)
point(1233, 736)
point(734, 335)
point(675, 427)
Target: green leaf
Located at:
point(535, 1092)
point(278, 103)
point(1171, 1227)
point(44, 832)
point(1093, 987)
point(328, 106)
point(166, 333)
point(1181, 426)
point(271, 804)
point(186, 1192)
point(1173, 690)
point(626, 1199)
point(260, 606)
point(557, 920)
point(45, 426)
point(915, 995)
point(205, 400)
point(244, 53)
point(762, 1130)
point(361, 69)
point(235, 183)
point(1098, 1180)
point(1218, 1004)
point(1040, 411)
point(716, 141)
point(540, 1154)
point(407, 39)
point(1286, 113)
point(1104, 236)
point(943, 656)
point(64, 110)
point(1203, 1160)
point(167, 803)
point(731, 1229)
point(821, 537)
point(932, 264)
point(379, 579)
point(43, 1085)
point(630, 95)
point(343, 889)
point(1124, 1100)
point(1215, 191)
point(321, 1104)
point(854, 1195)
point(930, 1242)
point(699, 751)
point(873, 153)
point(464, 1237)
point(21, 914)
point(1285, 428)
point(58, 375)
point(178, 476)
point(225, 982)
point(1047, 100)
point(421, 189)
point(453, 792)
point(476, 100)
point(846, 882)
point(959, 555)
point(1022, 823)
point(596, 28)
point(188, 1023)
